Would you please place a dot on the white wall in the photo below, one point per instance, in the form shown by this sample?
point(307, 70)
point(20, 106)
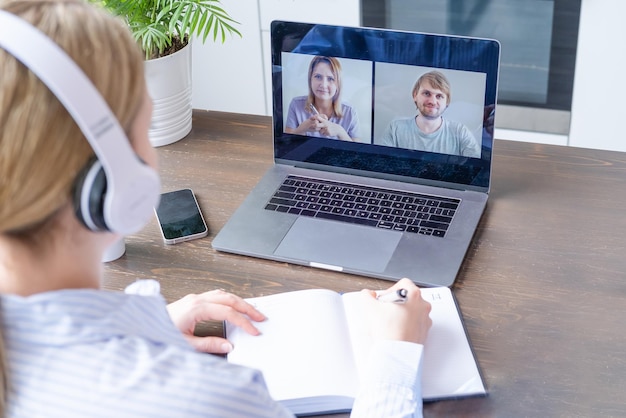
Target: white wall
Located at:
point(229, 77)
point(598, 108)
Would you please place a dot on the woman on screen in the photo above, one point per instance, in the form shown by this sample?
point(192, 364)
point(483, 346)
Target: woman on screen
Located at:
point(322, 113)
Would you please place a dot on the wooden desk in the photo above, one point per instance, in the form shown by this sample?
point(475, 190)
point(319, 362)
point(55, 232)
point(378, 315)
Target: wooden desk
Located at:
point(542, 291)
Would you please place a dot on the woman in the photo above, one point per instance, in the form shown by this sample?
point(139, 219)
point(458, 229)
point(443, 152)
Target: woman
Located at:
point(70, 349)
point(322, 113)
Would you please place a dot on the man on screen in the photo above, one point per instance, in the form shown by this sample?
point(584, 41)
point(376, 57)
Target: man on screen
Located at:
point(428, 130)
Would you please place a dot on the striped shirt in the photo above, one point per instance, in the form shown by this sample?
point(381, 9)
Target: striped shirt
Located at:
point(94, 353)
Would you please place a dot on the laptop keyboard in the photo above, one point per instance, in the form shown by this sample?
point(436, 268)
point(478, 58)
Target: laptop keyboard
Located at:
point(380, 208)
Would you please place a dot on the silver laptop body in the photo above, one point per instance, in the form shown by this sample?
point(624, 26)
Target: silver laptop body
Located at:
point(306, 220)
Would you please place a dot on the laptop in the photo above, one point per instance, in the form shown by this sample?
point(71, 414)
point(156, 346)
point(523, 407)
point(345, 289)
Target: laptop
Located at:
point(376, 203)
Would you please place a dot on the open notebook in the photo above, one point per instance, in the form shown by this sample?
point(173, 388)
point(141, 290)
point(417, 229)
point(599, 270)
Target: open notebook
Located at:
point(374, 197)
point(312, 362)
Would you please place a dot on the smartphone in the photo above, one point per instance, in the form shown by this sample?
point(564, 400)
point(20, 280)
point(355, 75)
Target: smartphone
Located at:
point(180, 217)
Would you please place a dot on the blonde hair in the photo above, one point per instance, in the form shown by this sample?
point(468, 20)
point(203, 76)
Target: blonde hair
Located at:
point(437, 80)
point(41, 148)
point(335, 67)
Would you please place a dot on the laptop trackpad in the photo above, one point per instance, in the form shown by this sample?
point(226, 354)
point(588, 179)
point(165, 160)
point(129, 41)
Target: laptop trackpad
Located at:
point(339, 244)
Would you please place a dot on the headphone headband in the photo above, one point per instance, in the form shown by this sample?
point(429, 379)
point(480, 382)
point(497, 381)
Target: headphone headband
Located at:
point(132, 188)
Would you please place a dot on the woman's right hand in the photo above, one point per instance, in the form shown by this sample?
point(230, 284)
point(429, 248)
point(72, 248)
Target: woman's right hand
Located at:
point(409, 321)
point(311, 124)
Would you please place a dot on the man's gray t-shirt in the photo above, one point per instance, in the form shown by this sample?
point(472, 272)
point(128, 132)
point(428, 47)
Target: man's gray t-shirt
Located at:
point(451, 138)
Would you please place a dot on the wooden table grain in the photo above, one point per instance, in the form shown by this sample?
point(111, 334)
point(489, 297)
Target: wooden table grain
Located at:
point(542, 289)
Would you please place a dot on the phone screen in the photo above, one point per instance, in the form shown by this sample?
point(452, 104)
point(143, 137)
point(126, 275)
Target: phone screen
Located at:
point(180, 217)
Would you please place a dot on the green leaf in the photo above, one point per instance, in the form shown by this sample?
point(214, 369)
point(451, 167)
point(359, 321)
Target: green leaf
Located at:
point(154, 23)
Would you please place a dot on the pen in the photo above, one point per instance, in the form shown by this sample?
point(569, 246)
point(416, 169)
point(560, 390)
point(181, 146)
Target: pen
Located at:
point(314, 109)
point(399, 296)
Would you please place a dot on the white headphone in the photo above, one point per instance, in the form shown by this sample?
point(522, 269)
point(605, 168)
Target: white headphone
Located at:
point(117, 192)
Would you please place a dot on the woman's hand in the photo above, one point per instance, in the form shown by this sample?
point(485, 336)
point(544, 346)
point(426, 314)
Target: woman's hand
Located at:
point(216, 305)
point(311, 124)
point(331, 129)
point(320, 123)
point(409, 321)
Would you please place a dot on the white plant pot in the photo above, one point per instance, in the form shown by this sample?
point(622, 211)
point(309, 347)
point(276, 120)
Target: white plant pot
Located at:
point(169, 84)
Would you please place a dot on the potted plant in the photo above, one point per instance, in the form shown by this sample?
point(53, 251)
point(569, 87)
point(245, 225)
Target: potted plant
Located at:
point(164, 29)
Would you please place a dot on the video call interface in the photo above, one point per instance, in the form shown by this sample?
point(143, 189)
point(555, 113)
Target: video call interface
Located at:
point(376, 72)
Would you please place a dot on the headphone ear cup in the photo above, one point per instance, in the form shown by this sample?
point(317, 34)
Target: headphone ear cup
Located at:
point(89, 193)
point(122, 200)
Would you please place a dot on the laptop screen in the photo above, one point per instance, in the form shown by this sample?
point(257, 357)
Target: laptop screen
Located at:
point(397, 105)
